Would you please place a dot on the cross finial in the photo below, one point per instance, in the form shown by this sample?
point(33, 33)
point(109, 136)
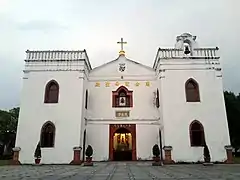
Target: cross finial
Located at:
point(122, 42)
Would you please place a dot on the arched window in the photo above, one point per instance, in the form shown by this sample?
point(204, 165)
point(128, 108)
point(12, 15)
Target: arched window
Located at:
point(197, 137)
point(51, 92)
point(192, 91)
point(48, 135)
point(122, 97)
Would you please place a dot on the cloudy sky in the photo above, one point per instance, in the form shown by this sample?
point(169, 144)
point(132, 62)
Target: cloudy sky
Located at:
point(96, 25)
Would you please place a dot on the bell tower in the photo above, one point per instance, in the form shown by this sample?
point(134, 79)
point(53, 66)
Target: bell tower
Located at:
point(176, 67)
point(187, 43)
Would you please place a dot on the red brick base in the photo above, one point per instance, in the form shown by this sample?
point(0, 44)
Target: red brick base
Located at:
point(168, 155)
point(229, 154)
point(76, 156)
point(15, 160)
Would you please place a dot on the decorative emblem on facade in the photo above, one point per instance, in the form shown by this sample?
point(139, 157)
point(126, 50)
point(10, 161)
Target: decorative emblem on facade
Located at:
point(127, 84)
point(137, 84)
point(97, 84)
point(117, 84)
point(122, 67)
point(107, 84)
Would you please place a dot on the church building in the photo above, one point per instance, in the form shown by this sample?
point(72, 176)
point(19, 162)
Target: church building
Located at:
point(123, 108)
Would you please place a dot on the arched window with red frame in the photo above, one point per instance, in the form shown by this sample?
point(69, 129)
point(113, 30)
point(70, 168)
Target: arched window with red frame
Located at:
point(197, 137)
point(51, 92)
point(192, 91)
point(122, 97)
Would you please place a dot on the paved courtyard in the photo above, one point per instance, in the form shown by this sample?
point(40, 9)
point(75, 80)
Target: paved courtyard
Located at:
point(121, 171)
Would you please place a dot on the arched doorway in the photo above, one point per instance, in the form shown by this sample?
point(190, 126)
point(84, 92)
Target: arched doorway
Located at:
point(122, 145)
point(122, 142)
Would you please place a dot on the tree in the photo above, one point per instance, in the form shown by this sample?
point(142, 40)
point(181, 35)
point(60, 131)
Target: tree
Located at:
point(8, 128)
point(156, 150)
point(232, 103)
point(89, 151)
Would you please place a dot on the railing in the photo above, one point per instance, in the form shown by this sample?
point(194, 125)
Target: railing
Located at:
point(54, 55)
point(205, 53)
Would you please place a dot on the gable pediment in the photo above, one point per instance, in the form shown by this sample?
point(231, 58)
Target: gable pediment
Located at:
point(122, 67)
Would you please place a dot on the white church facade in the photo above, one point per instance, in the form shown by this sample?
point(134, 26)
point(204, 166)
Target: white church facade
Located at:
point(123, 108)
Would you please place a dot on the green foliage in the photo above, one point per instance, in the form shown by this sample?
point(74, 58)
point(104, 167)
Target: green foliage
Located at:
point(236, 160)
point(8, 120)
point(89, 151)
point(4, 162)
point(232, 103)
point(8, 128)
point(156, 150)
point(38, 153)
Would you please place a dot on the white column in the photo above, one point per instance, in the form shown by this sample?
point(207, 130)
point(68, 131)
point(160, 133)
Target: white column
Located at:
point(62, 55)
point(211, 53)
point(59, 55)
point(161, 54)
point(214, 53)
point(208, 53)
point(197, 52)
point(33, 55)
point(27, 56)
point(47, 55)
point(68, 55)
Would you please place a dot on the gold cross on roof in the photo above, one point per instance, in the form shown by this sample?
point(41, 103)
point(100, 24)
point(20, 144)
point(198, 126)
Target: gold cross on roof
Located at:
point(122, 42)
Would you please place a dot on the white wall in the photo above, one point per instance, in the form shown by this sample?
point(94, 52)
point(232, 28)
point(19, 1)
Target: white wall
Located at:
point(100, 108)
point(98, 138)
point(146, 137)
point(100, 98)
point(100, 101)
point(178, 114)
point(66, 115)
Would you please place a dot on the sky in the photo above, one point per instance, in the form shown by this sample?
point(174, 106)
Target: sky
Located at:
point(97, 25)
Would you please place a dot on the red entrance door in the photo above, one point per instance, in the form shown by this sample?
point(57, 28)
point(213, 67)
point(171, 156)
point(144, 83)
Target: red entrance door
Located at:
point(132, 129)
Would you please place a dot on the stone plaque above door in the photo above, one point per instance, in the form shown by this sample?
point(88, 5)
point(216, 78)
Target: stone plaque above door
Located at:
point(122, 113)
